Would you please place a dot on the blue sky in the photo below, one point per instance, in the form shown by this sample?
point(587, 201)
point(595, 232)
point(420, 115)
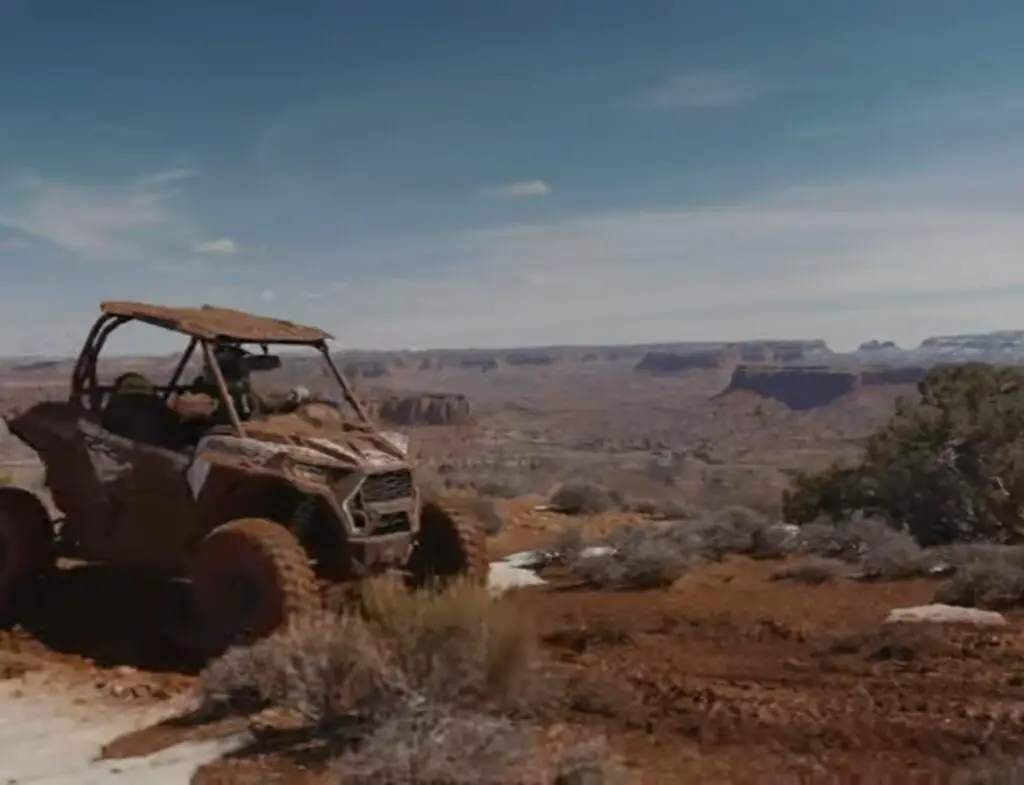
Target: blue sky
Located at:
point(418, 173)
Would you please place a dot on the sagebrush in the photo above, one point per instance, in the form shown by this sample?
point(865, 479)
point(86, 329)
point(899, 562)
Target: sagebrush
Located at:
point(949, 466)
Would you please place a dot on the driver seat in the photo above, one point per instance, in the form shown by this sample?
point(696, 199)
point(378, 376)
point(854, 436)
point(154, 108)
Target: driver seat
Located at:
point(134, 411)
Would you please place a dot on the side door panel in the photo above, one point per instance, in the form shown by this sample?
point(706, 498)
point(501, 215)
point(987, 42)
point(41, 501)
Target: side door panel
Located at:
point(149, 503)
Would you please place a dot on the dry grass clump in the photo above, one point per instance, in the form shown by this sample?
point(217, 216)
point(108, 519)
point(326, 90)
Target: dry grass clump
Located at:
point(569, 544)
point(412, 687)
point(590, 763)
point(738, 530)
point(487, 513)
point(642, 557)
point(582, 497)
point(320, 666)
point(432, 745)
point(652, 555)
point(649, 555)
point(428, 747)
point(985, 576)
point(883, 552)
point(995, 770)
point(457, 646)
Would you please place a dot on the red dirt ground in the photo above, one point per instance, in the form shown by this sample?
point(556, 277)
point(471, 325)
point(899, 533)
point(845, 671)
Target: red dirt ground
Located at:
point(730, 676)
point(726, 677)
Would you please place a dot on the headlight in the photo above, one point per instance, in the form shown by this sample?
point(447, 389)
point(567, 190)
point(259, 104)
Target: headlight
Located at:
point(310, 473)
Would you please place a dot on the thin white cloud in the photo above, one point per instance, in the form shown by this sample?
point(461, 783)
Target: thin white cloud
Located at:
point(168, 176)
point(889, 259)
point(896, 258)
point(225, 246)
point(268, 295)
point(91, 222)
point(521, 188)
point(708, 90)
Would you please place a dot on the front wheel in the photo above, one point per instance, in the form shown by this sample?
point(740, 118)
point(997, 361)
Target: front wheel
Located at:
point(250, 578)
point(450, 544)
point(26, 543)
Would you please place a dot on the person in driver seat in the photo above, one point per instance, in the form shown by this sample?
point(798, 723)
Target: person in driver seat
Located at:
point(237, 376)
point(231, 360)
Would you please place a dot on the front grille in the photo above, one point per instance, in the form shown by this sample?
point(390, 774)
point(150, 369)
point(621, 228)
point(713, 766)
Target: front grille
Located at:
point(387, 486)
point(392, 523)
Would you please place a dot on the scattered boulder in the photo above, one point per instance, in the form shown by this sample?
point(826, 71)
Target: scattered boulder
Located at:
point(937, 613)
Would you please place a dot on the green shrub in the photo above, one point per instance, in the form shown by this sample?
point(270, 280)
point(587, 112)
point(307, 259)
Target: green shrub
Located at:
point(949, 467)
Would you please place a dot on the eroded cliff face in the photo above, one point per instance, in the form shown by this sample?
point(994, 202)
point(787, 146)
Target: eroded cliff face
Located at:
point(417, 408)
point(798, 387)
point(804, 387)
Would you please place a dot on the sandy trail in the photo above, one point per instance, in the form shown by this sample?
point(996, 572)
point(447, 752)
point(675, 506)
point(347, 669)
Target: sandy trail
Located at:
point(51, 734)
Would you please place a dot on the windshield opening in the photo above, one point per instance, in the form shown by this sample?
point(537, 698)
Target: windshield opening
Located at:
point(279, 373)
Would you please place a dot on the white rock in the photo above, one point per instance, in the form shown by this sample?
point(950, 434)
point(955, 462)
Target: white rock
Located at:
point(527, 560)
point(595, 551)
point(789, 529)
point(504, 577)
point(945, 614)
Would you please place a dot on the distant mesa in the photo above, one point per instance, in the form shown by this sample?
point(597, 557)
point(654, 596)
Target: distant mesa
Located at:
point(37, 365)
point(729, 355)
point(679, 362)
point(878, 346)
point(489, 363)
point(367, 369)
point(413, 408)
point(806, 387)
point(530, 358)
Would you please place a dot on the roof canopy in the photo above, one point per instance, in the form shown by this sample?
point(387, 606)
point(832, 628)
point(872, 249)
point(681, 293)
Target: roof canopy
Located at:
point(209, 322)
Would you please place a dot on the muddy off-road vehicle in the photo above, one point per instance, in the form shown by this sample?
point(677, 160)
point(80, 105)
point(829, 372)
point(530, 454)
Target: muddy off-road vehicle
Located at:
point(259, 503)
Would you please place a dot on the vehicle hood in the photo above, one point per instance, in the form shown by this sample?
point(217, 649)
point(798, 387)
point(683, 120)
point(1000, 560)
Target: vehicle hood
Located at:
point(331, 445)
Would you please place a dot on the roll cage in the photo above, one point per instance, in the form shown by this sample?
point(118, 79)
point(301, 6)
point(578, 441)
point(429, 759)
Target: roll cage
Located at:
point(88, 393)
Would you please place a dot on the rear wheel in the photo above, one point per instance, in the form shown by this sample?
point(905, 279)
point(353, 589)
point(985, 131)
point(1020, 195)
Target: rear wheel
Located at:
point(450, 544)
point(250, 577)
point(26, 543)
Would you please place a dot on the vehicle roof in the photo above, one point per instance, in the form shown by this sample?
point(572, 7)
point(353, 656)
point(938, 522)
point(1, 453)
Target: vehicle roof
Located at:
point(209, 322)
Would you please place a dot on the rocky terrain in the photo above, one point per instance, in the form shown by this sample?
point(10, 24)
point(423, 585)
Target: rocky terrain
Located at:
point(744, 665)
